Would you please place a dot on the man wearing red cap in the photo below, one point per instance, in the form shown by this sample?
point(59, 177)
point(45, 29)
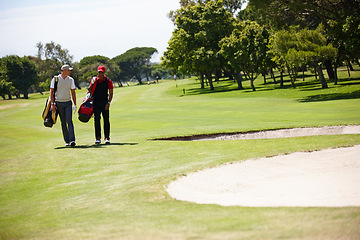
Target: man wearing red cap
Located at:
point(101, 88)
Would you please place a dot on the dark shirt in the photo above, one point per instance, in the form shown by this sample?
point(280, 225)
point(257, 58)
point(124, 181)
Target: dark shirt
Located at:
point(100, 93)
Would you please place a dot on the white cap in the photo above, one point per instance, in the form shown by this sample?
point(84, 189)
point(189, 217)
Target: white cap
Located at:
point(66, 67)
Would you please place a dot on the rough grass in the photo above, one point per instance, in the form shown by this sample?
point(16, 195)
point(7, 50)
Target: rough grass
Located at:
point(117, 191)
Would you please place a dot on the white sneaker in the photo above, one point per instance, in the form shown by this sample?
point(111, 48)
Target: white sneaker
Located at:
point(107, 141)
point(67, 144)
point(72, 143)
point(97, 141)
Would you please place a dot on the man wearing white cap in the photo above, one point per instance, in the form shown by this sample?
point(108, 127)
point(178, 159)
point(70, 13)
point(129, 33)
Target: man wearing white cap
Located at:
point(61, 101)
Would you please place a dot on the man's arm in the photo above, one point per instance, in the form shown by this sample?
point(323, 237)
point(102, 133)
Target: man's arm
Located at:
point(111, 92)
point(73, 95)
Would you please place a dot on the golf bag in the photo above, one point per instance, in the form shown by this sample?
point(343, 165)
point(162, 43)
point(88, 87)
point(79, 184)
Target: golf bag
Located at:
point(48, 116)
point(86, 109)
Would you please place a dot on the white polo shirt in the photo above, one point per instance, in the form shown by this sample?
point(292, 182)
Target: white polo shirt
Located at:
point(63, 88)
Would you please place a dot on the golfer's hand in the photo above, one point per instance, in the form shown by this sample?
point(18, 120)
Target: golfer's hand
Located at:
point(107, 106)
point(74, 108)
point(53, 108)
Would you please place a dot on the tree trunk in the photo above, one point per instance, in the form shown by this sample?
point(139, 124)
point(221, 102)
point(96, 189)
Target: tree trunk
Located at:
point(246, 77)
point(211, 83)
point(321, 76)
point(330, 70)
point(281, 79)
point(264, 76)
point(349, 66)
point(147, 76)
point(209, 78)
point(202, 81)
point(357, 61)
point(217, 76)
point(273, 75)
point(138, 78)
point(252, 81)
point(335, 73)
point(292, 78)
point(238, 78)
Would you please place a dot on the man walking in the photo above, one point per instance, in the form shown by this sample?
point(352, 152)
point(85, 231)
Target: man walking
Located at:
point(101, 89)
point(61, 101)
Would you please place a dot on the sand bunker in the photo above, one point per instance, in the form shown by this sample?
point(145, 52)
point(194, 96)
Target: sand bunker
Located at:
point(327, 178)
point(285, 133)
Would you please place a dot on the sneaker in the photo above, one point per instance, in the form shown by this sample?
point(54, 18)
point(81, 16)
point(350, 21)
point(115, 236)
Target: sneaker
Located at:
point(72, 143)
point(107, 141)
point(67, 144)
point(98, 141)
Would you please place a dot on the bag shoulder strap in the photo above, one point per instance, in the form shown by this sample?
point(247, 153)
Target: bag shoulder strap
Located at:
point(92, 86)
point(56, 82)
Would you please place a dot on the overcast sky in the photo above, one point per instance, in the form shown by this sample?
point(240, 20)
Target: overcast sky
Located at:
point(85, 27)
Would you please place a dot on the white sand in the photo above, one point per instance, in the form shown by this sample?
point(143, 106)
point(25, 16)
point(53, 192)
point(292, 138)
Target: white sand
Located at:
point(293, 132)
point(327, 178)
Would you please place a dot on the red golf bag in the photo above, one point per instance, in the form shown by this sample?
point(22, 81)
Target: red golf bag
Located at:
point(86, 109)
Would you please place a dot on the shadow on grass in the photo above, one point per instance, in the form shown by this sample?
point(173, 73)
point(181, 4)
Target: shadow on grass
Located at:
point(331, 96)
point(227, 86)
point(310, 84)
point(97, 145)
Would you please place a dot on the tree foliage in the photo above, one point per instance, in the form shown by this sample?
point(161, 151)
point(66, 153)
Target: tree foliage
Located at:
point(194, 46)
point(301, 48)
point(20, 72)
point(93, 59)
point(338, 19)
point(135, 62)
point(232, 6)
point(246, 49)
point(49, 59)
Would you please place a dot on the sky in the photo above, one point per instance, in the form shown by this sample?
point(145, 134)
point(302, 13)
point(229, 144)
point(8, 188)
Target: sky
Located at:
point(85, 27)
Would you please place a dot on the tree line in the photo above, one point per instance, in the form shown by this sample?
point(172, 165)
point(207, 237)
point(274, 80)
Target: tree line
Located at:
point(23, 75)
point(215, 37)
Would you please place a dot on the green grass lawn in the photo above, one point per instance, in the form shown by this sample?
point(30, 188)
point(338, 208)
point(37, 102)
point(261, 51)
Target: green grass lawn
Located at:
point(117, 191)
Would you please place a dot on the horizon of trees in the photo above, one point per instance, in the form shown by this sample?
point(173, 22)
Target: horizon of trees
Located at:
point(22, 75)
point(214, 37)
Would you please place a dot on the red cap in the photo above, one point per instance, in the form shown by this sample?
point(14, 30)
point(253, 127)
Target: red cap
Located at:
point(101, 69)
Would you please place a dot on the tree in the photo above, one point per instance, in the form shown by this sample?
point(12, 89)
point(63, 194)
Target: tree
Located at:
point(93, 59)
point(304, 47)
point(334, 17)
point(54, 52)
point(246, 49)
point(135, 62)
point(49, 59)
point(86, 69)
point(157, 70)
point(194, 46)
point(21, 72)
point(6, 88)
point(232, 6)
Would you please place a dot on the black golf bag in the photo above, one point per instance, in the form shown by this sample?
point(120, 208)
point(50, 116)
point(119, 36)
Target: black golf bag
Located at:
point(48, 116)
